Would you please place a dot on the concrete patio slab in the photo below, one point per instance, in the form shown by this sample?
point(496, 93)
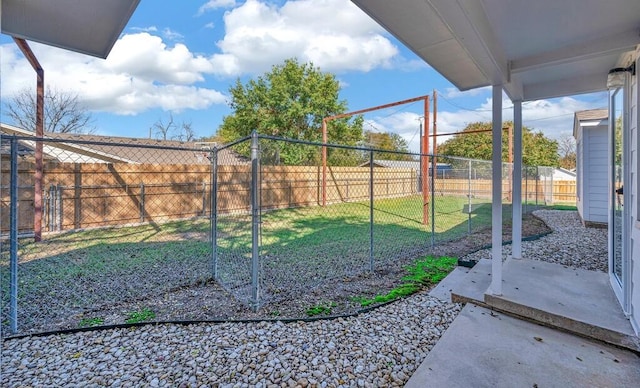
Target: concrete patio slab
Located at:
point(443, 290)
point(576, 300)
point(483, 348)
point(472, 287)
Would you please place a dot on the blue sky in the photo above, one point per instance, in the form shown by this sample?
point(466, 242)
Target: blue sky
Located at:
point(181, 57)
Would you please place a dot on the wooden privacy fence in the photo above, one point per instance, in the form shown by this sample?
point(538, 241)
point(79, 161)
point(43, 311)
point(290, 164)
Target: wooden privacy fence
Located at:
point(83, 195)
point(533, 190)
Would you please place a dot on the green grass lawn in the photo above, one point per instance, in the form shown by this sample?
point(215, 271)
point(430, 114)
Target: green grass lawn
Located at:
point(306, 246)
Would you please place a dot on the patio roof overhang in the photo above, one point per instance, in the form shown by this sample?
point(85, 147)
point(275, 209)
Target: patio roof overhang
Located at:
point(86, 26)
point(534, 49)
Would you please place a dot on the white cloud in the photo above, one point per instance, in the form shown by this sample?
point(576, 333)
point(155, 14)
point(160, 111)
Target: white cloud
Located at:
point(215, 4)
point(145, 29)
point(259, 35)
point(141, 73)
point(554, 118)
point(455, 93)
point(210, 25)
point(172, 35)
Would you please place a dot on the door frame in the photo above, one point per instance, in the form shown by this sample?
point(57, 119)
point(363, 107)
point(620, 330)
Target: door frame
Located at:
point(622, 286)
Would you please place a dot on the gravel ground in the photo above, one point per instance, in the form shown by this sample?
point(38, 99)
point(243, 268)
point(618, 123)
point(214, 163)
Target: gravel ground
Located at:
point(382, 347)
point(570, 244)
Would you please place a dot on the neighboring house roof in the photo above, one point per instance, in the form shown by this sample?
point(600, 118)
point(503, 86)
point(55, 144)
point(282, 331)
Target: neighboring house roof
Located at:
point(88, 26)
point(564, 174)
point(79, 148)
point(589, 118)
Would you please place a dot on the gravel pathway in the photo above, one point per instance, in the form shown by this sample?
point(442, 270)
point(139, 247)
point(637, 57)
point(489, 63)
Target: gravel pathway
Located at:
point(380, 348)
point(569, 244)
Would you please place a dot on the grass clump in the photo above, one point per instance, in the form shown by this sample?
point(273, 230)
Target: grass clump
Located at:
point(140, 316)
point(424, 272)
point(321, 309)
point(91, 322)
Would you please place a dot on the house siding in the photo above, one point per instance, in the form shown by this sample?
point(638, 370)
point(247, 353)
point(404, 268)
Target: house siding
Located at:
point(634, 246)
point(593, 173)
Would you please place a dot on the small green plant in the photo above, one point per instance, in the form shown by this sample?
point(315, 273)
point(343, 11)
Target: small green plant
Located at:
point(424, 272)
point(91, 322)
point(321, 309)
point(140, 316)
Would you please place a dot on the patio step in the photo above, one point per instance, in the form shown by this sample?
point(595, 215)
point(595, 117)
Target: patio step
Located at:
point(574, 300)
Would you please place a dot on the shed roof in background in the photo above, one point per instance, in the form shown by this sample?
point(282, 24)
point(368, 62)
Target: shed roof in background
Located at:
point(589, 118)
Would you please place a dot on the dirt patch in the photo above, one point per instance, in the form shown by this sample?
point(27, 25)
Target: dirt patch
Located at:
point(207, 300)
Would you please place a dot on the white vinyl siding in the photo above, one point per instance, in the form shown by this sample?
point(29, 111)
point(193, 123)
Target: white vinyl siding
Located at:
point(593, 182)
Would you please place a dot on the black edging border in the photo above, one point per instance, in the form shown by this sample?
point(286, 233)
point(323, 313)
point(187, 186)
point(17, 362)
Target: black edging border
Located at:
point(245, 321)
point(195, 322)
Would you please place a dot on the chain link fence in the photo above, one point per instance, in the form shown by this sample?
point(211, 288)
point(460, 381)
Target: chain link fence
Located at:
point(150, 230)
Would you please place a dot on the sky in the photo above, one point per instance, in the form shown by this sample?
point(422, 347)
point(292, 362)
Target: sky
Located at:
point(180, 58)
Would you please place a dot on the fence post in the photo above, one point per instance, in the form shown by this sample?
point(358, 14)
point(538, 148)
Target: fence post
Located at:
point(371, 210)
point(141, 201)
point(214, 212)
point(537, 178)
point(469, 197)
point(526, 188)
point(433, 205)
point(204, 198)
point(52, 208)
point(60, 210)
point(255, 219)
point(13, 237)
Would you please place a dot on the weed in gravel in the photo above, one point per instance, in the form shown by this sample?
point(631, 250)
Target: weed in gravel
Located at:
point(424, 272)
point(140, 316)
point(321, 309)
point(91, 322)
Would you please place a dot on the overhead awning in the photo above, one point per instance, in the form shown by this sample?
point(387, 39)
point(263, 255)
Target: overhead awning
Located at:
point(535, 49)
point(86, 26)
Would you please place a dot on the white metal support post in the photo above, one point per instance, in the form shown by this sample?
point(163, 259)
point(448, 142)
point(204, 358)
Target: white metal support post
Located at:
point(516, 232)
point(496, 194)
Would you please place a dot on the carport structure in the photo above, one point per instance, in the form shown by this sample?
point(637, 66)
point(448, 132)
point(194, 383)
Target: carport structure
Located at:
point(534, 50)
point(86, 26)
point(90, 27)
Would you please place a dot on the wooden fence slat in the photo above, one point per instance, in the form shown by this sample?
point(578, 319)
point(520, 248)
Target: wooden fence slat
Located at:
point(97, 194)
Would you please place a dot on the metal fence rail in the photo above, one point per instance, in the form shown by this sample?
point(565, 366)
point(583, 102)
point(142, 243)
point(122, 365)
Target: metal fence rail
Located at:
point(124, 236)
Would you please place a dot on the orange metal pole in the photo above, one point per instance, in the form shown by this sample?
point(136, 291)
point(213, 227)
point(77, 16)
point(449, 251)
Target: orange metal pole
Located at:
point(435, 134)
point(425, 165)
point(38, 174)
point(324, 162)
point(349, 114)
point(510, 137)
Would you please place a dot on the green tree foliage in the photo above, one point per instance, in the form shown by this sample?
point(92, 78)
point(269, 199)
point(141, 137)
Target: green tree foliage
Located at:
point(290, 101)
point(537, 150)
point(388, 141)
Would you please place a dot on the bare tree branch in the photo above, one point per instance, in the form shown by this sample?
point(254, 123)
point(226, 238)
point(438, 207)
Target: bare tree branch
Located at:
point(63, 113)
point(163, 129)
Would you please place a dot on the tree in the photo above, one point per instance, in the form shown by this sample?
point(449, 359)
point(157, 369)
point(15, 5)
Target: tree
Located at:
point(567, 152)
point(388, 141)
point(63, 112)
point(537, 150)
point(162, 128)
point(168, 129)
point(290, 101)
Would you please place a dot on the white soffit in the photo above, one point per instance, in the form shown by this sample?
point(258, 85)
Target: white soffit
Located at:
point(86, 26)
point(535, 49)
